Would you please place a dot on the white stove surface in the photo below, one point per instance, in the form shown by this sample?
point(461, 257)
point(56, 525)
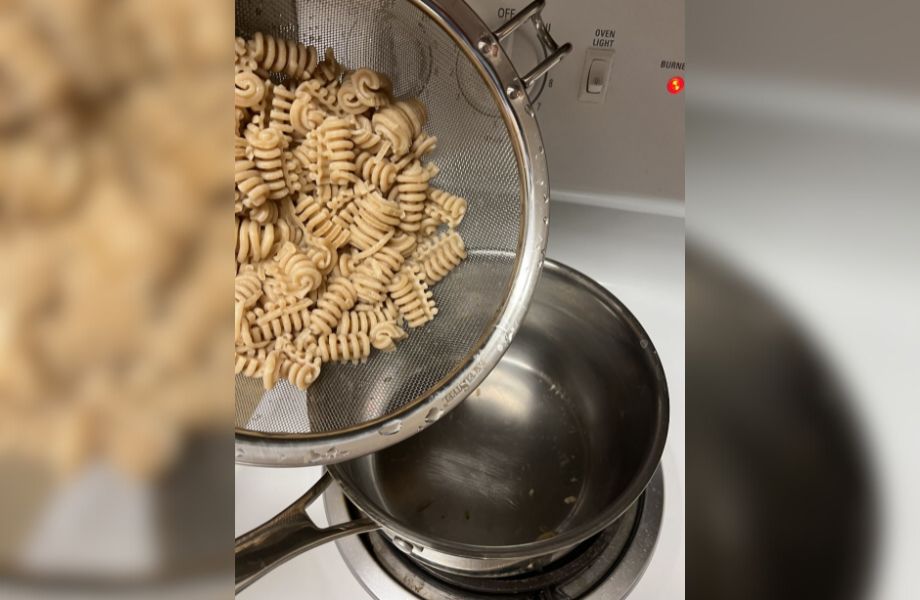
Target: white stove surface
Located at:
point(639, 257)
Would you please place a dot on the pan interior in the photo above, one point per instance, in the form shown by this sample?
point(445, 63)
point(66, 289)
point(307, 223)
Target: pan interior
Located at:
point(568, 427)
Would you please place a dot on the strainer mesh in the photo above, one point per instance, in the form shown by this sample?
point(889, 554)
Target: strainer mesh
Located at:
point(477, 161)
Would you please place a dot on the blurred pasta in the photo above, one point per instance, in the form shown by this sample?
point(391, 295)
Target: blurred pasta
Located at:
point(113, 162)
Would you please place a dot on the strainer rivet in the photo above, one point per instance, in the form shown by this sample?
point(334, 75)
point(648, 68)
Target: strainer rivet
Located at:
point(403, 545)
point(514, 92)
point(488, 47)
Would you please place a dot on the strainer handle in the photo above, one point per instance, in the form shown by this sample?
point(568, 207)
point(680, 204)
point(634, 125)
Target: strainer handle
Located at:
point(287, 534)
point(554, 52)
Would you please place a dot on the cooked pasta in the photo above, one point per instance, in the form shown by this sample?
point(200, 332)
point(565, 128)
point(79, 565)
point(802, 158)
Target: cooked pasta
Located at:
point(322, 253)
point(348, 99)
point(412, 192)
point(315, 92)
point(289, 315)
point(300, 273)
point(371, 88)
point(316, 221)
point(250, 89)
point(302, 372)
point(339, 230)
point(264, 214)
point(364, 136)
point(251, 366)
point(424, 144)
point(370, 281)
point(283, 56)
point(377, 170)
point(329, 69)
point(441, 256)
point(253, 189)
point(400, 124)
point(384, 335)
point(270, 368)
point(354, 347)
point(338, 199)
point(254, 241)
point(267, 153)
point(413, 299)
point(446, 207)
point(337, 150)
point(280, 115)
point(404, 243)
point(339, 297)
point(247, 291)
point(375, 223)
point(365, 320)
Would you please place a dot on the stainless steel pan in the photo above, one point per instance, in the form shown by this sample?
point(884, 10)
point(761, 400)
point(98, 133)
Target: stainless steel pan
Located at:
point(556, 444)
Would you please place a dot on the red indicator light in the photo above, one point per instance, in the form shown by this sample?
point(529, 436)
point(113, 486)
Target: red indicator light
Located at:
point(676, 85)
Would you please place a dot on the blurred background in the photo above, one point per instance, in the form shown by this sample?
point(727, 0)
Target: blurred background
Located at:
point(115, 439)
point(803, 143)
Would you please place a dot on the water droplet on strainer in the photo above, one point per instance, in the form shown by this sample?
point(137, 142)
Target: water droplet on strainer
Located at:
point(545, 198)
point(546, 220)
point(433, 415)
point(240, 453)
point(390, 428)
point(644, 344)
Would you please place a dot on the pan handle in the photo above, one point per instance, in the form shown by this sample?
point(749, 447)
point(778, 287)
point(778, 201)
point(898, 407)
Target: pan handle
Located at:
point(287, 534)
point(553, 52)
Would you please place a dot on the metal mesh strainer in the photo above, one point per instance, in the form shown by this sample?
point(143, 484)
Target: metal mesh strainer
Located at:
point(490, 152)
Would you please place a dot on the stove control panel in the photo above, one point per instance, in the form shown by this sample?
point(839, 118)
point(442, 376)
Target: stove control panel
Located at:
point(611, 121)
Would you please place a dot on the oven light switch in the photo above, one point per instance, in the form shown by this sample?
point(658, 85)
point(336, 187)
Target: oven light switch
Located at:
point(595, 75)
